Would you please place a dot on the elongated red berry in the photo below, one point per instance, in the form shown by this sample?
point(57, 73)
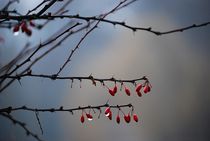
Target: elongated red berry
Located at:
point(23, 26)
point(146, 89)
point(139, 93)
point(107, 111)
point(115, 89)
point(127, 118)
point(89, 117)
point(127, 91)
point(82, 118)
point(16, 28)
point(28, 31)
point(111, 92)
point(135, 118)
point(31, 23)
point(110, 115)
point(118, 119)
point(138, 87)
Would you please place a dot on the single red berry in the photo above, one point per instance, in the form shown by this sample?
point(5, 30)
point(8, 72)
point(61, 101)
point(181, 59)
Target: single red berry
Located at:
point(127, 118)
point(146, 89)
point(115, 89)
point(138, 87)
point(28, 31)
point(135, 118)
point(89, 117)
point(139, 93)
point(110, 115)
point(23, 26)
point(82, 119)
point(16, 28)
point(31, 23)
point(107, 111)
point(118, 119)
point(127, 91)
point(111, 92)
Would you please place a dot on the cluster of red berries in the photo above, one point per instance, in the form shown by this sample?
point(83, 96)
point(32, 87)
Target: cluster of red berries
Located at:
point(24, 26)
point(108, 113)
point(127, 118)
point(146, 88)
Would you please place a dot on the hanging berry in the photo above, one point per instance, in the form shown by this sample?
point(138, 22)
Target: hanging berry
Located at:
point(146, 88)
point(82, 118)
point(89, 116)
point(135, 118)
point(110, 115)
point(127, 91)
point(138, 87)
point(115, 89)
point(127, 118)
point(118, 119)
point(16, 29)
point(107, 111)
point(111, 92)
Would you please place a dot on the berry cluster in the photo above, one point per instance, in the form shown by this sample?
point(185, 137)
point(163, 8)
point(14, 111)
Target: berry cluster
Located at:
point(146, 88)
point(108, 113)
point(24, 26)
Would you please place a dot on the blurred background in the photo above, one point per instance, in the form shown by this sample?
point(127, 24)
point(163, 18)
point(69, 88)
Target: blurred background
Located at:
point(177, 65)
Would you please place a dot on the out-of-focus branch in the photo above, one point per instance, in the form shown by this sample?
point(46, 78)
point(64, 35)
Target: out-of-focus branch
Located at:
point(21, 124)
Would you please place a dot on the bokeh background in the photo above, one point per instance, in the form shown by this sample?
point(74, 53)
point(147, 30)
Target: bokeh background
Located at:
point(178, 107)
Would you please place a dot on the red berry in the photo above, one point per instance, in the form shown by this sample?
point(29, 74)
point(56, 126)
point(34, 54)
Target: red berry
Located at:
point(110, 115)
point(89, 117)
point(23, 26)
point(146, 89)
point(135, 118)
point(139, 93)
point(115, 89)
point(127, 118)
point(16, 28)
point(111, 92)
point(82, 119)
point(31, 23)
point(107, 111)
point(127, 91)
point(28, 32)
point(138, 87)
point(118, 119)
